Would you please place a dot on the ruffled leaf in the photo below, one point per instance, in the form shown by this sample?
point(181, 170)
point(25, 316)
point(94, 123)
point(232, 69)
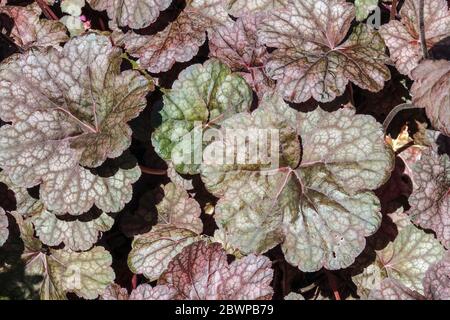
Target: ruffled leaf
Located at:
point(236, 44)
point(319, 208)
point(202, 94)
point(81, 104)
point(201, 272)
point(311, 60)
point(180, 41)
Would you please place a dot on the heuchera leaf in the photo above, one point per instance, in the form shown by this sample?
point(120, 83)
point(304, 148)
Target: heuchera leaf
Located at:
point(4, 232)
point(437, 280)
point(179, 209)
point(312, 60)
point(431, 91)
point(239, 8)
point(404, 261)
point(436, 285)
point(87, 274)
point(131, 13)
point(430, 200)
point(31, 31)
point(179, 226)
point(53, 230)
point(318, 208)
point(72, 7)
point(205, 94)
point(180, 41)
point(142, 292)
point(70, 108)
point(76, 235)
point(236, 44)
point(201, 272)
point(402, 37)
point(364, 7)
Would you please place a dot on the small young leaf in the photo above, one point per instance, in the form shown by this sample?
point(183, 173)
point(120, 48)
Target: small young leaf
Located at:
point(236, 44)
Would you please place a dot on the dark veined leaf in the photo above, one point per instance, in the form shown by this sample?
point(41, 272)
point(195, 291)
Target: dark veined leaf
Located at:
point(430, 200)
point(201, 272)
point(312, 60)
point(31, 31)
point(134, 14)
point(401, 264)
point(431, 91)
point(178, 226)
point(436, 285)
point(402, 37)
point(203, 95)
point(86, 274)
point(69, 108)
point(316, 202)
point(236, 44)
point(180, 41)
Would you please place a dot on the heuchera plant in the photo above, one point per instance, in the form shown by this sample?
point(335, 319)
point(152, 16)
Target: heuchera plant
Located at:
point(224, 149)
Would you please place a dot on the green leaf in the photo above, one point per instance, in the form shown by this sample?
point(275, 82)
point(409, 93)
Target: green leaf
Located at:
point(318, 208)
point(203, 94)
point(364, 7)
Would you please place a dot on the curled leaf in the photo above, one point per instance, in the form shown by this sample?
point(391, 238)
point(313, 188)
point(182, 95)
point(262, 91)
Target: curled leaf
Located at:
point(402, 37)
point(31, 31)
point(201, 272)
point(311, 59)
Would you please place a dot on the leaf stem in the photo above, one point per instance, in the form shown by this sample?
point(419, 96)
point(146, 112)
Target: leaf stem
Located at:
point(332, 282)
point(393, 10)
point(48, 12)
point(155, 172)
point(393, 113)
point(423, 40)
